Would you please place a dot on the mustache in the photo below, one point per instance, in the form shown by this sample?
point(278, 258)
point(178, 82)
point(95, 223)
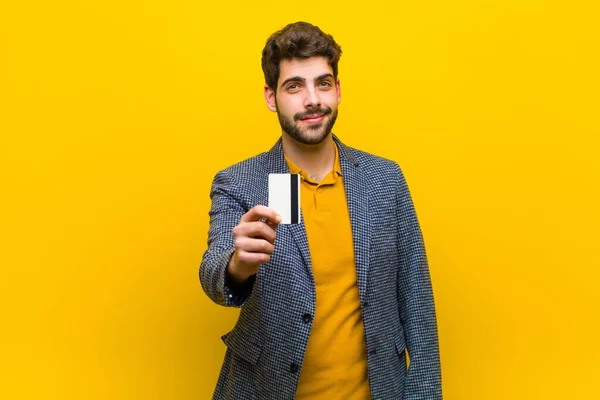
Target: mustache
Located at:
point(310, 113)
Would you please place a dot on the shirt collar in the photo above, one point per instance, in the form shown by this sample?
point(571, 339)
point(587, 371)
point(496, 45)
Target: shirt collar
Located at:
point(337, 168)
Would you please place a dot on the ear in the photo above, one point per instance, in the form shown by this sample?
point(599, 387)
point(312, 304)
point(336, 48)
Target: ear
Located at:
point(339, 91)
point(270, 98)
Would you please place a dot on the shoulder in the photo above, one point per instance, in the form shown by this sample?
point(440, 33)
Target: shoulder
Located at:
point(246, 181)
point(379, 174)
point(373, 165)
point(244, 169)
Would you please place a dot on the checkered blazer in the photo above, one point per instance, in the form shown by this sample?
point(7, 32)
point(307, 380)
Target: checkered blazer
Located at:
point(266, 347)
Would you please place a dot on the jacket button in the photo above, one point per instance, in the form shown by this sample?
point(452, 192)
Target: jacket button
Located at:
point(293, 368)
point(307, 318)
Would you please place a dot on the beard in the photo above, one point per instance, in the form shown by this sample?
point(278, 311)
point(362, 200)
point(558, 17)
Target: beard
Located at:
point(310, 134)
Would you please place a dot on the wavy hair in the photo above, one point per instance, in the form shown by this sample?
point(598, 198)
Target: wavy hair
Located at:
point(297, 40)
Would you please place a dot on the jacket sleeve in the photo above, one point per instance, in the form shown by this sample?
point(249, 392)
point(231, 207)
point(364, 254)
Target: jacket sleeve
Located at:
point(416, 304)
point(225, 214)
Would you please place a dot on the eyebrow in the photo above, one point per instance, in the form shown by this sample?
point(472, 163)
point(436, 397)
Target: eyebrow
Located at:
point(301, 79)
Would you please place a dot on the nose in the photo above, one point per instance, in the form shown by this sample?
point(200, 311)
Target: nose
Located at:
point(312, 98)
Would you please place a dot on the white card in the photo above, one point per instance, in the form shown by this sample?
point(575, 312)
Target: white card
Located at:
point(284, 196)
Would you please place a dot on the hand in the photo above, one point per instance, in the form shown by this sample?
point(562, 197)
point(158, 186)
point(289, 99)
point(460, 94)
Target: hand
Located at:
point(254, 242)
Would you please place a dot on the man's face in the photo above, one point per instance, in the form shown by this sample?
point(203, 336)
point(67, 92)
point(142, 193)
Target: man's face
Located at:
point(306, 100)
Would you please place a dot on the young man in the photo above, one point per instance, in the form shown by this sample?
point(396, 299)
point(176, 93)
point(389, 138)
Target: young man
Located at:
point(329, 306)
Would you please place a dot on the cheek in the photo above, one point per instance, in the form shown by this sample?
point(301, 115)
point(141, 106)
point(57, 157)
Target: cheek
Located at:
point(331, 100)
point(287, 107)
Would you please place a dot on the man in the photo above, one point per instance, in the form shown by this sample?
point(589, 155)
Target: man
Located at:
point(329, 306)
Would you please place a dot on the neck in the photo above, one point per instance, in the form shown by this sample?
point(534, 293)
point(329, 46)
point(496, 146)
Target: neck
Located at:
point(316, 159)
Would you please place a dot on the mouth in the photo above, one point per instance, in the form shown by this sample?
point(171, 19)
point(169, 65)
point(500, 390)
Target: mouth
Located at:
point(313, 119)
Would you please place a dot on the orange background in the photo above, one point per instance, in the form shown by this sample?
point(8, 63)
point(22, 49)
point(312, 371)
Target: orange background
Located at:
point(115, 116)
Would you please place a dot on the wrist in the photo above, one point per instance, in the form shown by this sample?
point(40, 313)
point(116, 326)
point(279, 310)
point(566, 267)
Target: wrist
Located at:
point(236, 276)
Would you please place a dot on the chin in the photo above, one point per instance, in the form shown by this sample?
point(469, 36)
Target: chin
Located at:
point(312, 139)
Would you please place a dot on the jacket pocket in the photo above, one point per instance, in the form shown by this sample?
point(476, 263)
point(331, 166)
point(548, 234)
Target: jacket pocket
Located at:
point(243, 346)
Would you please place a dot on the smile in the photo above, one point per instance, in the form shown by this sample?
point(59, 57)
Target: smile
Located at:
point(313, 119)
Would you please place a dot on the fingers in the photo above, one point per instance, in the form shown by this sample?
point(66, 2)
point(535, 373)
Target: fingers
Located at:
point(258, 212)
point(273, 225)
point(253, 251)
point(255, 229)
point(254, 259)
point(253, 245)
point(254, 240)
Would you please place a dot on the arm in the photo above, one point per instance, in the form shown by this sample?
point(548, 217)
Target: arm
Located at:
point(416, 305)
point(225, 213)
point(239, 241)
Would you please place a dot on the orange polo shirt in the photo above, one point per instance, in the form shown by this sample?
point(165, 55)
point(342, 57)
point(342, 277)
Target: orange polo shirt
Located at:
point(335, 363)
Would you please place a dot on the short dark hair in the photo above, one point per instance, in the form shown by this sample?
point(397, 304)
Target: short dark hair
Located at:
point(298, 40)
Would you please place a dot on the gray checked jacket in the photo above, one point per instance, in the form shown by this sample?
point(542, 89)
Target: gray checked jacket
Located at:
point(265, 349)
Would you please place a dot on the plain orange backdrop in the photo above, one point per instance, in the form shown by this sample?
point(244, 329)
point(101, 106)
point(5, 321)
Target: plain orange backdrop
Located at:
point(115, 116)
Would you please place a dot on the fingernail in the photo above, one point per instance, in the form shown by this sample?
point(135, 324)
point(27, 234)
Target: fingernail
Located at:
point(278, 219)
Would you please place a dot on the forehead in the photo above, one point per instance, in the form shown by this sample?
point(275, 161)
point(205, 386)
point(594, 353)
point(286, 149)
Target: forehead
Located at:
point(307, 68)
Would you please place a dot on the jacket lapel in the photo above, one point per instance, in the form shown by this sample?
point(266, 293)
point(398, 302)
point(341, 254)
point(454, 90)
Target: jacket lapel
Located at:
point(355, 184)
point(278, 165)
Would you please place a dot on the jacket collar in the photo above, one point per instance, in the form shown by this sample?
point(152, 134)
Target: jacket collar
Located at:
point(278, 164)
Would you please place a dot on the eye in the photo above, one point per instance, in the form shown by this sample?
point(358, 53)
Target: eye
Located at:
point(325, 84)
